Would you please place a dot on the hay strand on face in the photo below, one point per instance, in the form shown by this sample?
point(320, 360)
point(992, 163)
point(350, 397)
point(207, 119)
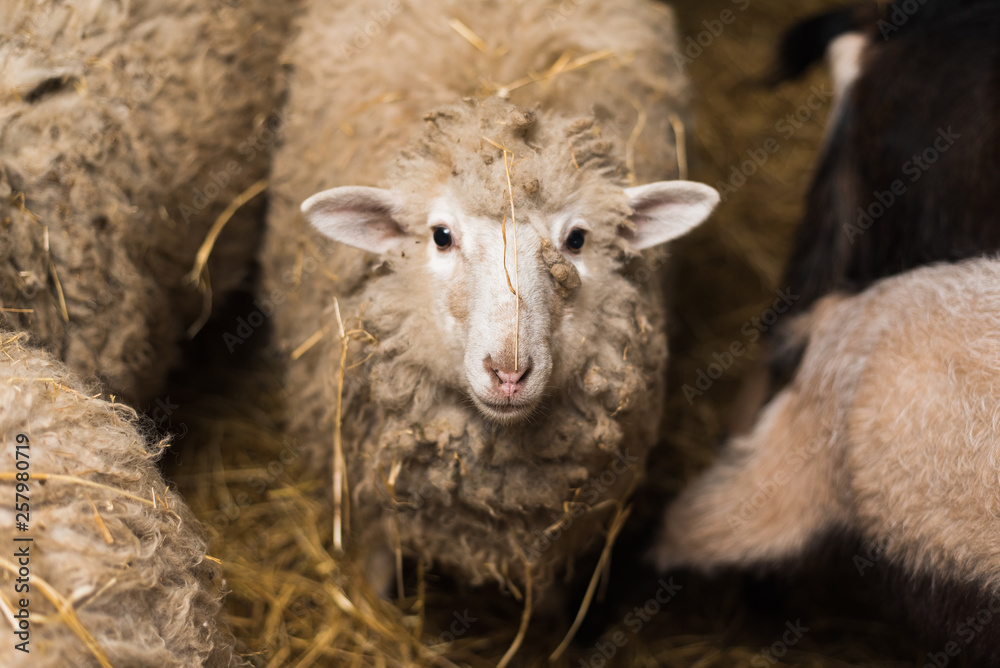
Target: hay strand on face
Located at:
point(503, 231)
point(517, 291)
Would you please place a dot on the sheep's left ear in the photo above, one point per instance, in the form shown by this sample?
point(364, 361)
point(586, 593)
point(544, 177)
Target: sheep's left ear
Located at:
point(667, 209)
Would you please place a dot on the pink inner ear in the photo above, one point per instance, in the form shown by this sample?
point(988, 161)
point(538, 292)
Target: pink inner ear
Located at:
point(356, 216)
point(666, 210)
point(385, 229)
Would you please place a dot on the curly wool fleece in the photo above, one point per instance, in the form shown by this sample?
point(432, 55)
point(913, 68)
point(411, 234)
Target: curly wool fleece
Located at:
point(125, 130)
point(473, 499)
point(134, 575)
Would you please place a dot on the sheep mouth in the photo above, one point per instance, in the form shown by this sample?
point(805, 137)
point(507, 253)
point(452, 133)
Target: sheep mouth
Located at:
point(505, 412)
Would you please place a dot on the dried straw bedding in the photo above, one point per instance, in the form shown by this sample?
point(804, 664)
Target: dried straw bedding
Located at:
point(423, 470)
point(127, 128)
point(118, 569)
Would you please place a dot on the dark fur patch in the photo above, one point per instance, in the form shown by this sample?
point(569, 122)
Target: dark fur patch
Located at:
point(805, 43)
point(931, 92)
point(952, 623)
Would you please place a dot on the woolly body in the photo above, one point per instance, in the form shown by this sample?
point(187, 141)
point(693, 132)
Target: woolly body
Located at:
point(473, 497)
point(135, 576)
point(126, 129)
point(890, 431)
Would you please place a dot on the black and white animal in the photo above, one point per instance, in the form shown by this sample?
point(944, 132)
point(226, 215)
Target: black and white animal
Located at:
point(912, 157)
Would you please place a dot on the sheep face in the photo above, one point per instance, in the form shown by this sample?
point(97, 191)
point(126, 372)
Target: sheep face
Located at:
point(449, 226)
point(507, 341)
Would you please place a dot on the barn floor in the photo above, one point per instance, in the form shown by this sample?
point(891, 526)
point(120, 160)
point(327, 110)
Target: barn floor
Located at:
point(292, 604)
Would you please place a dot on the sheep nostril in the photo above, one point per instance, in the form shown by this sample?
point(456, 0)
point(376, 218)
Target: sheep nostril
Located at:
point(510, 382)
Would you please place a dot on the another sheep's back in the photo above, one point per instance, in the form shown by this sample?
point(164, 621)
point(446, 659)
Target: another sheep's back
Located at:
point(107, 535)
point(907, 378)
point(924, 429)
point(126, 131)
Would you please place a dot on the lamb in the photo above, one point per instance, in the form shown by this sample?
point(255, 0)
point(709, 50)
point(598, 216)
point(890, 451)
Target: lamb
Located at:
point(890, 431)
point(492, 436)
point(127, 128)
point(109, 565)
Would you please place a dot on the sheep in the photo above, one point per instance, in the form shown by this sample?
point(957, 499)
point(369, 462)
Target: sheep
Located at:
point(109, 565)
point(889, 431)
point(126, 129)
point(485, 434)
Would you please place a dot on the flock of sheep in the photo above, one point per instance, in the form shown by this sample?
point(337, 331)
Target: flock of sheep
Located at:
point(463, 204)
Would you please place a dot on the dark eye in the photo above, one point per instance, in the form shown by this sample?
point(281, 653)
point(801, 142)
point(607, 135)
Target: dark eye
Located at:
point(442, 237)
point(575, 240)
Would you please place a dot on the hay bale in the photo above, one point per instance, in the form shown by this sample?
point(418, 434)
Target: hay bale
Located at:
point(406, 442)
point(117, 571)
point(126, 130)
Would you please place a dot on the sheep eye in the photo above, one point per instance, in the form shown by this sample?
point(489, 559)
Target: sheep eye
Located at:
point(442, 237)
point(575, 240)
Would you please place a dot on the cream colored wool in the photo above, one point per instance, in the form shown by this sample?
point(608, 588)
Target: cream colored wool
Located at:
point(125, 129)
point(890, 430)
point(144, 590)
point(470, 498)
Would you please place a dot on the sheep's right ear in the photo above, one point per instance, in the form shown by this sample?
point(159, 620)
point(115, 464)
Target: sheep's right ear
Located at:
point(667, 209)
point(356, 216)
